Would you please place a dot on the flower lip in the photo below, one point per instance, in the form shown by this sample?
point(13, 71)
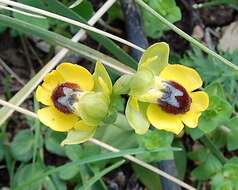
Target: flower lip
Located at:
point(63, 95)
point(175, 99)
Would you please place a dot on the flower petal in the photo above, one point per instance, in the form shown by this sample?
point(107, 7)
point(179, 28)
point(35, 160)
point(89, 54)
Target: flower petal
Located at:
point(52, 80)
point(56, 120)
point(162, 120)
point(76, 74)
point(185, 76)
point(200, 101)
point(43, 96)
point(79, 134)
point(191, 118)
point(136, 115)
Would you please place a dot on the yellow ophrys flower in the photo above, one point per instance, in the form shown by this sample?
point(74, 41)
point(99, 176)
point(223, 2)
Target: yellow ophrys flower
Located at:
point(76, 101)
point(162, 94)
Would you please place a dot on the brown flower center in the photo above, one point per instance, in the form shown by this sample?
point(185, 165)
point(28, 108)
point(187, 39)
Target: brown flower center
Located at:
point(175, 99)
point(63, 95)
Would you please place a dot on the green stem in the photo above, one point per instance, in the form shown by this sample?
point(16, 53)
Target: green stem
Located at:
point(214, 150)
point(185, 35)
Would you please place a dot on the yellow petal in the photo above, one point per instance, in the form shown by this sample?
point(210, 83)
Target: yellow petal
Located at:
point(56, 120)
point(200, 101)
point(52, 80)
point(76, 74)
point(43, 96)
point(185, 76)
point(191, 118)
point(165, 121)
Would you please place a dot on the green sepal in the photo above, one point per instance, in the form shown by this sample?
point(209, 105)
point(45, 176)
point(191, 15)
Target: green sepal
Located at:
point(136, 115)
point(122, 85)
point(141, 82)
point(155, 58)
point(78, 136)
point(102, 80)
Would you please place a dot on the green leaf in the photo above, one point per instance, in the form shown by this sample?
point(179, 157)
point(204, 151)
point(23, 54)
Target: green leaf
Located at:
point(22, 145)
point(180, 158)
point(52, 142)
point(167, 8)
point(74, 152)
point(29, 172)
point(227, 178)
point(146, 176)
point(207, 169)
point(114, 12)
point(232, 140)
point(69, 172)
point(83, 8)
point(156, 139)
point(209, 164)
point(41, 22)
point(218, 112)
point(215, 89)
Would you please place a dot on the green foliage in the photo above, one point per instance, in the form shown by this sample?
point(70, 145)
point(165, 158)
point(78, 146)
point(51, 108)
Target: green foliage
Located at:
point(208, 163)
point(156, 139)
point(227, 177)
point(168, 9)
point(22, 145)
point(52, 142)
point(146, 177)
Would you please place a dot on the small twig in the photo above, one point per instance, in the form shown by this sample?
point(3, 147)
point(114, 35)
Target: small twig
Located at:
point(11, 72)
point(28, 59)
point(34, 52)
point(109, 28)
point(70, 21)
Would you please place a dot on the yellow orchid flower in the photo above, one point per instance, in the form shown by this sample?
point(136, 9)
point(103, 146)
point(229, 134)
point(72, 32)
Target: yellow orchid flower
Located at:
point(76, 101)
point(162, 94)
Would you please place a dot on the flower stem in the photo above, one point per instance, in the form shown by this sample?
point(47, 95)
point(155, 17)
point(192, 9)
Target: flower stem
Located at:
point(214, 150)
point(185, 35)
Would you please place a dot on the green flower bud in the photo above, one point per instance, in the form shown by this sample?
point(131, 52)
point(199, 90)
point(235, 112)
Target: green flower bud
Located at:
point(141, 82)
point(92, 107)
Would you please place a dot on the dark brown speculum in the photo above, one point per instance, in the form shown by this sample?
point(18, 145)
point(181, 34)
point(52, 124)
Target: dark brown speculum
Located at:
point(175, 99)
point(60, 96)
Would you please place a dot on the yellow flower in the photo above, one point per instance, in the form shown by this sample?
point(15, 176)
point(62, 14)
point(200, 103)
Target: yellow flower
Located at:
point(164, 95)
point(66, 92)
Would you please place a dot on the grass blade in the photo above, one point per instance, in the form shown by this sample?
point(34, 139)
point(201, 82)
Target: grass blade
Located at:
point(98, 176)
point(57, 7)
point(91, 159)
